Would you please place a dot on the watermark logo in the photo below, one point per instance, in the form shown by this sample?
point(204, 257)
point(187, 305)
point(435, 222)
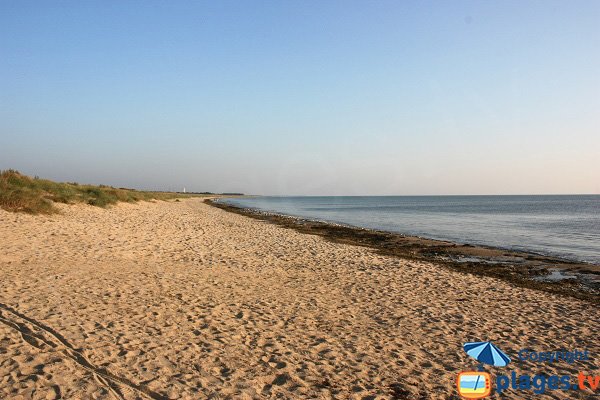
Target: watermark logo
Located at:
point(553, 356)
point(478, 384)
point(474, 384)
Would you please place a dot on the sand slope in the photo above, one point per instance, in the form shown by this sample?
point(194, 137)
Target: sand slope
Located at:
point(181, 300)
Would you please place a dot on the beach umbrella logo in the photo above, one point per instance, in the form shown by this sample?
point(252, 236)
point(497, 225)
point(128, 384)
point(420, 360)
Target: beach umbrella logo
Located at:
point(478, 384)
point(487, 353)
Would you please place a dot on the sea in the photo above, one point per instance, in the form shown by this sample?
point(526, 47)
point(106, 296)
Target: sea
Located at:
point(565, 226)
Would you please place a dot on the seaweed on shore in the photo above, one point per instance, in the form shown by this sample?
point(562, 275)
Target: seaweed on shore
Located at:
point(519, 268)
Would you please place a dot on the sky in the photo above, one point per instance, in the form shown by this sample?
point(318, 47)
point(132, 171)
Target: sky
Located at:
point(304, 97)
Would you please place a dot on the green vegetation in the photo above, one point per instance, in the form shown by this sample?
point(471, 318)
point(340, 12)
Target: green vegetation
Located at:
point(19, 192)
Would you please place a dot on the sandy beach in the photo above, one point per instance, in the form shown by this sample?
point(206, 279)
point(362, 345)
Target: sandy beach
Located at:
point(181, 300)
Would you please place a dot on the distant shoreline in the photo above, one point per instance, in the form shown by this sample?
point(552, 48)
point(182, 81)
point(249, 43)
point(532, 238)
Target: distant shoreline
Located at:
point(524, 269)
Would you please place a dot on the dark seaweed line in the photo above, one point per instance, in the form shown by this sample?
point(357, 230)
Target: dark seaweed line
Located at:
point(105, 377)
point(435, 251)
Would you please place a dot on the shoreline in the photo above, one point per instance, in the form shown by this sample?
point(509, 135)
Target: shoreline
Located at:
point(180, 299)
point(524, 269)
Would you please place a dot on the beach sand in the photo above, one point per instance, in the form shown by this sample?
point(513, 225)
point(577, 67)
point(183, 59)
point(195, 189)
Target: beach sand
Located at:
point(181, 300)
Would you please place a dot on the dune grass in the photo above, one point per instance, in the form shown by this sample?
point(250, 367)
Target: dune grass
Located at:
point(22, 193)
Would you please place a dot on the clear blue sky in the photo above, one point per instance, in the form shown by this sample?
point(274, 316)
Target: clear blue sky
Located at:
point(304, 97)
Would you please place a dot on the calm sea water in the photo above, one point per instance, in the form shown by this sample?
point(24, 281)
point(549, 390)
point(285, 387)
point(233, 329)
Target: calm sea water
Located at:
point(564, 226)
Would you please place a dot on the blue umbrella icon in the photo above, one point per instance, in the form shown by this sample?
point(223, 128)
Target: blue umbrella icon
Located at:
point(487, 353)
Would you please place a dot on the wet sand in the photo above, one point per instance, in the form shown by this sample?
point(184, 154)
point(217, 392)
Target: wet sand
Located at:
point(182, 300)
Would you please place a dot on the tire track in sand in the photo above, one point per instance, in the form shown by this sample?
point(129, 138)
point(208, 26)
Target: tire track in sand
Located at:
point(47, 336)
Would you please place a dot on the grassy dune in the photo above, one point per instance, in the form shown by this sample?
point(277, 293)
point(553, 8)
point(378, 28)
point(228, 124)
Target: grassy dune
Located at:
point(22, 193)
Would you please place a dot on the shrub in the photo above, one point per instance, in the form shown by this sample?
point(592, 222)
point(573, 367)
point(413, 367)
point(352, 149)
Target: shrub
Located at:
point(21, 193)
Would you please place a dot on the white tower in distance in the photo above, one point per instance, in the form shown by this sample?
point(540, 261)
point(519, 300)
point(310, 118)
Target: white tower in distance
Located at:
point(183, 190)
